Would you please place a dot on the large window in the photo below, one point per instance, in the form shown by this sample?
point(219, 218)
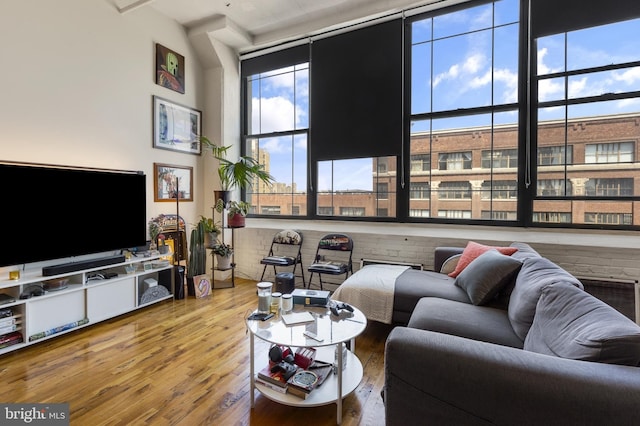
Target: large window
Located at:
point(589, 107)
point(485, 121)
point(464, 94)
point(277, 111)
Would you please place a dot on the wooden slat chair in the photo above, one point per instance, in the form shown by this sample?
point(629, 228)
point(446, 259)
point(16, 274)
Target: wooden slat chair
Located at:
point(333, 257)
point(285, 251)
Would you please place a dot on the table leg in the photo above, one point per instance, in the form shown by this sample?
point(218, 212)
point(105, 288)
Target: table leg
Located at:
point(339, 398)
point(252, 382)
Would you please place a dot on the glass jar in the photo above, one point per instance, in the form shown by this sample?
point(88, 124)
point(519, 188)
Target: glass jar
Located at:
point(264, 297)
point(275, 302)
point(287, 303)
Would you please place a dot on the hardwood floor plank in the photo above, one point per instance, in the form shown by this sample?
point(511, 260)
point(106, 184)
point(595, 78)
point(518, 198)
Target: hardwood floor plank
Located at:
point(178, 362)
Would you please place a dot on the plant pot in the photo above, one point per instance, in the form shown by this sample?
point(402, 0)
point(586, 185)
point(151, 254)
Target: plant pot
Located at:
point(222, 195)
point(163, 249)
point(210, 239)
point(235, 221)
point(223, 262)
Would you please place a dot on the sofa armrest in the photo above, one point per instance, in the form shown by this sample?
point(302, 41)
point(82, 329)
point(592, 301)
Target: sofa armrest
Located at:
point(452, 380)
point(443, 253)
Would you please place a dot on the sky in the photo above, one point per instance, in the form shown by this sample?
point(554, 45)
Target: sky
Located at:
point(472, 66)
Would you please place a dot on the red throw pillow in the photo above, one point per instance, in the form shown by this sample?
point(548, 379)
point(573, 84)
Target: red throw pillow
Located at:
point(473, 250)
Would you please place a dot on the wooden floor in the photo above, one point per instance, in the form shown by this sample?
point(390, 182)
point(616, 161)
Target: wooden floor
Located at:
point(179, 362)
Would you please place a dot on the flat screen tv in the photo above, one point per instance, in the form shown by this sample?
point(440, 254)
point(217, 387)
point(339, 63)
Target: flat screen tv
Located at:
point(53, 212)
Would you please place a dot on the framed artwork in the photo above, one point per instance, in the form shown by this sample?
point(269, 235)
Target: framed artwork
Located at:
point(176, 127)
point(169, 69)
point(202, 285)
point(170, 181)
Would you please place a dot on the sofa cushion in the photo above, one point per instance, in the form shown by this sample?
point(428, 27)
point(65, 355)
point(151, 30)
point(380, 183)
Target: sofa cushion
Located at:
point(464, 320)
point(535, 274)
point(473, 250)
point(486, 275)
point(571, 323)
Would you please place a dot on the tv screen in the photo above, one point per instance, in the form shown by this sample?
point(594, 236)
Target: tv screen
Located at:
point(51, 212)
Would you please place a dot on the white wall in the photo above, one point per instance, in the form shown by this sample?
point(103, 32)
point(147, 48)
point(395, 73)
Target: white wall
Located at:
point(78, 80)
point(611, 255)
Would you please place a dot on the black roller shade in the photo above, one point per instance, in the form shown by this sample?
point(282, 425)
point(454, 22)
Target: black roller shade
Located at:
point(553, 16)
point(356, 93)
point(273, 61)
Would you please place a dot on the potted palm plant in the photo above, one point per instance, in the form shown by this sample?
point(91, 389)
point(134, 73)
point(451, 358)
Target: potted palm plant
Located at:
point(242, 174)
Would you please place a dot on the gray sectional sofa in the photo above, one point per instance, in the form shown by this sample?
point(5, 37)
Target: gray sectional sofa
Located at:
point(508, 342)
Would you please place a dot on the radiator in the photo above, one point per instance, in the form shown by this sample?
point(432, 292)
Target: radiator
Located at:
point(621, 294)
point(365, 262)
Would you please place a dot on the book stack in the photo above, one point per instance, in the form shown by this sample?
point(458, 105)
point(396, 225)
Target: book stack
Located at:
point(9, 323)
point(272, 380)
point(304, 382)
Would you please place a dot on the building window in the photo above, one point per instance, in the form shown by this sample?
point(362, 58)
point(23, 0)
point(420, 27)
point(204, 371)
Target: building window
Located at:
point(383, 191)
point(552, 217)
point(420, 163)
point(352, 211)
point(609, 188)
point(609, 153)
point(419, 213)
point(498, 215)
point(455, 214)
point(419, 191)
point(500, 159)
point(554, 187)
point(454, 161)
point(325, 211)
point(555, 155)
point(381, 212)
point(270, 210)
point(500, 190)
point(454, 190)
point(608, 218)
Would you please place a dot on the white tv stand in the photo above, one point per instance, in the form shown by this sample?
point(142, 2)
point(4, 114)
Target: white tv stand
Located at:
point(84, 301)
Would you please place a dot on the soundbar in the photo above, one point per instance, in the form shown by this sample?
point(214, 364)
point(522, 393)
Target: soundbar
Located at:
point(63, 268)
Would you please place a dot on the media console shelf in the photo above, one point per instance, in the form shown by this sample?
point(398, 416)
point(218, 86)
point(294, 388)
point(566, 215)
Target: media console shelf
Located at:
point(86, 298)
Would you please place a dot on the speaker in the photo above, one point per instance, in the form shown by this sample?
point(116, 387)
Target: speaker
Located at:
point(285, 282)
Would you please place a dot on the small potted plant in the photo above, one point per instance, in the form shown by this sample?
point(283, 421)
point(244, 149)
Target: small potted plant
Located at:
point(223, 254)
point(211, 231)
point(238, 210)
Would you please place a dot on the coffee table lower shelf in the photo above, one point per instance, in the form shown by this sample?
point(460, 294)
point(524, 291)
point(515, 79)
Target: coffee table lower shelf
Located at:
point(327, 393)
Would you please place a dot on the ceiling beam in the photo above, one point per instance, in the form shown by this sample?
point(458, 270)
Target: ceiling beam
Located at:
point(133, 6)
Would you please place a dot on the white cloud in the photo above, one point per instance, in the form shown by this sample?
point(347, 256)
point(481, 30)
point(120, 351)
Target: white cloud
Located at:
point(274, 114)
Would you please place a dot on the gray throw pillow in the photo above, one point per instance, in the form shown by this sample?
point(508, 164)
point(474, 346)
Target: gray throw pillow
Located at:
point(571, 323)
point(486, 275)
point(535, 274)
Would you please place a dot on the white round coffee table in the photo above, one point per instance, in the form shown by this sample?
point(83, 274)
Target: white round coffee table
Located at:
point(334, 331)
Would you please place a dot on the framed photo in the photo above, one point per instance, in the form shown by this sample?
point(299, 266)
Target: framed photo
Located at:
point(169, 69)
point(176, 127)
point(170, 181)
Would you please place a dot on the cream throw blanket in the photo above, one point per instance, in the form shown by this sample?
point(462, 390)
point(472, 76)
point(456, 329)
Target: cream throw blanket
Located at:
point(371, 290)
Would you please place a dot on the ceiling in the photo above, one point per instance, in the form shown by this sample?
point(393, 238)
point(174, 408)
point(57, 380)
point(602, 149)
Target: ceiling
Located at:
point(247, 25)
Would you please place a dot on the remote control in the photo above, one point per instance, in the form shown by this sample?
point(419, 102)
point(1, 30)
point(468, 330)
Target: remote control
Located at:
point(313, 335)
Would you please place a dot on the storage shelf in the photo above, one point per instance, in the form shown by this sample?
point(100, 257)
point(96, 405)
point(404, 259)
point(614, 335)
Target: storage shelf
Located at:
point(92, 299)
